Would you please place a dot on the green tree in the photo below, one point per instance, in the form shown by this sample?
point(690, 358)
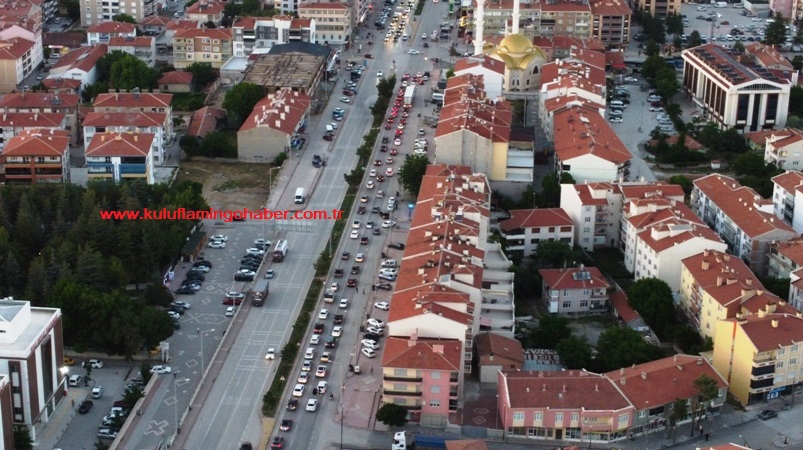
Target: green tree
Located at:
point(652, 49)
point(132, 395)
point(551, 330)
point(73, 9)
point(131, 72)
point(778, 286)
point(22, 438)
point(526, 281)
point(412, 173)
point(738, 46)
point(622, 347)
point(92, 91)
point(574, 352)
point(666, 83)
point(680, 409)
point(190, 145)
point(695, 39)
point(796, 101)
point(775, 33)
point(652, 66)
point(202, 74)
point(794, 122)
point(652, 298)
point(707, 390)
point(684, 182)
point(392, 415)
point(673, 23)
point(105, 63)
point(124, 18)
point(218, 144)
point(239, 102)
point(210, 24)
point(386, 87)
point(797, 62)
point(556, 254)
point(798, 39)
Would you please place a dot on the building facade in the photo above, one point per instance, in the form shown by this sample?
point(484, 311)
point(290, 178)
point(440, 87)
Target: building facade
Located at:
point(786, 188)
point(36, 102)
point(17, 58)
point(272, 126)
point(94, 12)
point(527, 228)
point(208, 45)
point(37, 156)
point(253, 33)
point(587, 148)
point(333, 22)
point(120, 156)
point(579, 290)
point(130, 122)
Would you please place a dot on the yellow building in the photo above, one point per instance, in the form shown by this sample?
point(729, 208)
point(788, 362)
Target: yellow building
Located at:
point(760, 355)
point(208, 45)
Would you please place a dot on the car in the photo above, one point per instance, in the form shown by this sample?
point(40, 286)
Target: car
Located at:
point(654, 98)
point(292, 404)
point(287, 425)
point(93, 363)
point(315, 339)
point(370, 353)
point(387, 277)
point(388, 224)
point(369, 343)
point(270, 274)
point(216, 244)
point(107, 433)
point(616, 120)
point(271, 355)
point(312, 405)
point(338, 111)
point(303, 377)
point(384, 306)
point(354, 234)
point(334, 286)
point(345, 256)
point(232, 301)
point(330, 343)
point(369, 224)
point(394, 152)
point(255, 251)
point(277, 442)
point(364, 240)
point(244, 275)
point(631, 80)
point(359, 257)
point(326, 357)
point(375, 330)
point(370, 184)
point(318, 328)
point(230, 311)
point(396, 141)
point(375, 322)
point(379, 74)
point(364, 199)
point(185, 291)
point(161, 369)
point(324, 314)
point(174, 315)
point(85, 406)
point(767, 414)
point(298, 390)
point(321, 371)
point(322, 387)
point(372, 336)
point(235, 295)
point(361, 210)
point(396, 245)
point(372, 173)
point(345, 100)
point(344, 303)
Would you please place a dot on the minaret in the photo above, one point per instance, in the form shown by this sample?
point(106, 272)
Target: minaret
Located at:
point(516, 14)
point(479, 26)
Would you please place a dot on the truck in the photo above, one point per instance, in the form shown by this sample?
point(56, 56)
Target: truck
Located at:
point(408, 96)
point(260, 292)
point(280, 251)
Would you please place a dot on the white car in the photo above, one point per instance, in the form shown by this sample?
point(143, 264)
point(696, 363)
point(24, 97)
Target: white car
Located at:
point(229, 312)
point(413, 51)
point(298, 390)
point(354, 234)
point(344, 303)
point(219, 237)
point(303, 377)
point(334, 286)
point(182, 303)
point(173, 315)
point(631, 80)
point(161, 369)
point(389, 271)
point(370, 184)
point(216, 244)
point(616, 120)
point(384, 306)
point(370, 343)
point(372, 173)
point(255, 251)
point(271, 355)
point(656, 109)
point(312, 405)
point(322, 386)
point(388, 224)
point(370, 353)
point(356, 224)
point(379, 74)
point(315, 339)
point(324, 314)
point(359, 257)
point(376, 323)
point(345, 99)
point(337, 331)
point(375, 330)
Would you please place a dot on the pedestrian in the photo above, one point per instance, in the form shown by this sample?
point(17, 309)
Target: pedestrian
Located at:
point(706, 437)
point(72, 402)
point(363, 291)
point(198, 330)
point(372, 369)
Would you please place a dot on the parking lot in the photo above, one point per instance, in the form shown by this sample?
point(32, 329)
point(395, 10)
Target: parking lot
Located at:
point(725, 20)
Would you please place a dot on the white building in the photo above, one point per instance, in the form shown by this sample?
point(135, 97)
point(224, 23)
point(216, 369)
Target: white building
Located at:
point(79, 64)
point(492, 71)
point(576, 290)
point(786, 189)
point(95, 12)
point(736, 94)
point(527, 228)
point(132, 122)
point(142, 47)
point(120, 157)
point(784, 148)
point(102, 32)
point(257, 33)
point(333, 21)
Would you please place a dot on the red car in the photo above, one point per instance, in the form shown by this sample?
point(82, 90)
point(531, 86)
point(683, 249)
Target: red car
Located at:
point(328, 137)
point(378, 162)
point(352, 282)
point(399, 132)
point(390, 120)
point(278, 442)
point(394, 152)
point(348, 92)
point(232, 301)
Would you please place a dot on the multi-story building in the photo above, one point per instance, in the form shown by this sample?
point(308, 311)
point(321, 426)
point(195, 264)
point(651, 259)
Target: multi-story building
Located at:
point(784, 148)
point(143, 47)
point(153, 24)
point(25, 13)
point(767, 56)
point(16, 62)
point(548, 19)
point(611, 22)
point(102, 32)
point(452, 279)
point(80, 64)
point(587, 148)
point(422, 374)
point(333, 22)
point(37, 156)
point(13, 31)
point(94, 12)
point(785, 257)
point(208, 45)
point(740, 216)
point(6, 407)
point(474, 130)
point(36, 102)
point(761, 354)
point(795, 298)
point(797, 10)
point(204, 11)
point(717, 286)
point(735, 92)
point(527, 228)
point(658, 7)
point(492, 71)
point(272, 126)
point(287, 6)
point(576, 290)
point(138, 102)
point(120, 157)
point(251, 33)
point(785, 191)
point(31, 354)
point(657, 233)
point(131, 122)
point(14, 124)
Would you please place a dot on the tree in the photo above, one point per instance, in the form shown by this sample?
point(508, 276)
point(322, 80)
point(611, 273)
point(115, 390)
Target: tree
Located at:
point(680, 409)
point(73, 9)
point(105, 63)
point(775, 33)
point(556, 254)
point(551, 330)
point(132, 395)
point(218, 144)
point(674, 23)
point(797, 62)
point(778, 286)
point(794, 122)
point(683, 181)
point(652, 298)
point(239, 102)
point(392, 415)
point(124, 18)
point(695, 39)
point(666, 83)
point(738, 46)
point(202, 74)
point(22, 438)
point(131, 72)
point(526, 281)
point(574, 352)
point(412, 173)
point(622, 347)
point(707, 390)
point(796, 101)
point(210, 24)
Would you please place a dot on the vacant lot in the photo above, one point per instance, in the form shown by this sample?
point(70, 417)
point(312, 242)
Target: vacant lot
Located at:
point(230, 185)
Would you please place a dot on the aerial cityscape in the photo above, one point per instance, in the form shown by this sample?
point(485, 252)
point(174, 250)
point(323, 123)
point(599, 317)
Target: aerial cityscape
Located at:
point(401, 224)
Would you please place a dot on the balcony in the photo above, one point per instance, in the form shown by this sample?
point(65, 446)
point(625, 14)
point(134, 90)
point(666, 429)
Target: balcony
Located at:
point(417, 379)
point(138, 169)
point(388, 392)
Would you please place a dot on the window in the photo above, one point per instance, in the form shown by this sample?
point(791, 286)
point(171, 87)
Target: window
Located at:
point(400, 372)
point(584, 303)
point(623, 418)
point(779, 365)
point(435, 375)
point(538, 416)
point(558, 417)
point(587, 219)
point(518, 416)
point(792, 361)
point(567, 304)
point(435, 389)
point(575, 417)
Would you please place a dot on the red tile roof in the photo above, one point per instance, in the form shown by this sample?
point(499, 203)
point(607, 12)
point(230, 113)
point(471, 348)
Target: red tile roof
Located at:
point(282, 110)
point(574, 278)
point(771, 331)
point(610, 8)
point(690, 143)
point(211, 33)
point(674, 375)
point(204, 121)
point(83, 59)
point(767, 56)
point(466, 444)
point(19, 9)
point(565, 102)
point(31, 120)
point(425, 354)
point(159, 21)
point(791, 249)
point(572, 389)
point(61, 83)
point(133, 100)
point(651, 189)
point(15, 48)
point(789, 180)
point(39, 100)
point(494, 345)
point(759, 138)
point(578, 133)
point(246, 23)
point(675, 231)
point(176, 77)
point(466, 108)
point(487, 62)
point(130, 119)
point(785, 137)
point(534, 218)
point(120, 144)
point(583, 74)
point(137, 41)
point(38, 142)
point(725, 278)
point(206, 8)
point(565, 6)
point(296, 24)
point(333, 5)
point(180, 24)
point(112, 28)
point(619, 302)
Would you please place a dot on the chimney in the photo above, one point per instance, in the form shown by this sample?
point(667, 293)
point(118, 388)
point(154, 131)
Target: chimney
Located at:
point(706, 264)
point(719, 281)
point(774, 323)
point(491, 357)
point(643, 375)
point(748, 281)
point(623, 381)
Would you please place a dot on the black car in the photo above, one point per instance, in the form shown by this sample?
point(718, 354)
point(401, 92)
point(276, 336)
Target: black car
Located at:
point(385, 286)
point(203, 263)
point(371, 336)
point(767, 414)
point(361, 210)
point(287, 425)
point(243, 277)
point(176, 309)
point(185, 291)
point(250, 260)
point(292, 404)
point(330, 343)
point(385, 139)
point(338, 273)
point(376, 232)
point(375, 209)
point(195, 276)
point(248, 266)
point(345, 256)
point(397, 245)
point(85, 406)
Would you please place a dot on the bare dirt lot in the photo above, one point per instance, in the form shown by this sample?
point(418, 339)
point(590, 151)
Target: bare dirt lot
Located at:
point(230, 185)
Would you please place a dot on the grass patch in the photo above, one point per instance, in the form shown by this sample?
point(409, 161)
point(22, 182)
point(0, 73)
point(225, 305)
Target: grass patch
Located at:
point(611, 262)
point(419, 7)
point(227, 185)
point(188, 101)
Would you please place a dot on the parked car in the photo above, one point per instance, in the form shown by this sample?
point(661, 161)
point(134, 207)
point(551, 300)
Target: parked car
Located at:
point(85, 406)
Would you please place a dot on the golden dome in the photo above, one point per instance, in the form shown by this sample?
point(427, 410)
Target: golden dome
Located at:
point(517, 51)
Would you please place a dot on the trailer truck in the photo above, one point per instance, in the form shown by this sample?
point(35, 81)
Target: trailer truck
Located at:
point(280, 251)
point(260, 292)
point(408, 95)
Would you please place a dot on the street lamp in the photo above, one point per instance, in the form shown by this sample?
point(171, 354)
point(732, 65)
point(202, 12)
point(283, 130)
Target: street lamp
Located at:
point(175, 401)
point(646, 444)
point(203, 368)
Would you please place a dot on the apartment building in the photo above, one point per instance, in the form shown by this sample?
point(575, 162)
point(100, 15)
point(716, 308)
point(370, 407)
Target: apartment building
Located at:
point(547, 19)
point(423, 375)
point(120, 157)
point(130, 122)
point(577, 81)
point(16, 62)
point(587, 148)
point(273, 125)
point(204, 11)
point(785, 257)
point(610, 22)
point(761, 354)
point(795, 297)
point(250, 33)
point(333, 21)
point(102, 32)
point(31, 354)
point(786, 188)
point(474, 130)
point(740, 216)
point(784, 148)
point(209, 45)
point(735, 92)
point(10, 31)
point(767, 56)
point(658, 8)
point(14, 124)
point(527, 228)
point(36, 102)
point(142, 47)
point(153, 24)
point(37, 156)
point(138, 102)
point(27, 14)
point(492, 71)
point(657, 233)
point(577, 291)
point(80, 64)
point(94, 12)
point(495, 353)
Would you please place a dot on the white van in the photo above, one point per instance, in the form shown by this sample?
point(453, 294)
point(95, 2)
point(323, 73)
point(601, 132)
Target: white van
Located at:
point(299, 196)
point(722, 4)
point(617, 104)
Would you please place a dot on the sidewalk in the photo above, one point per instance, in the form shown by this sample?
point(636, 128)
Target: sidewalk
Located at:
point(50, 433)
